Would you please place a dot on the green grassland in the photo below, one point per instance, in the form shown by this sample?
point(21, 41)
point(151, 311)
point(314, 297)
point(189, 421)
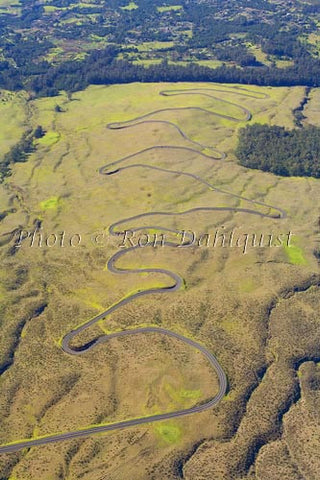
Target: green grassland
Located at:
point(311, 110)
point(13, 118)
point(259, 54)
point(170, 8)
point(8, 3)
point(223, 304)
point(130, 6)
point(268, 60)
point(313, 41)
point(10, 6)
point(148, 46)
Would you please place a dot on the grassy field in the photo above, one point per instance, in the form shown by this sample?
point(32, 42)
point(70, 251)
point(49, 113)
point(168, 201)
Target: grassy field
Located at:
point(170, 8)
point(10, 6)
point(149, 46)
point(13, 118)
point(48, 291)
point(258, 53)
point(313, 40)
point(311, 110)
point(130, 6)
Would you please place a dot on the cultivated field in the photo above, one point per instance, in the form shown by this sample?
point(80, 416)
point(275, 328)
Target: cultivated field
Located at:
point(254, 308)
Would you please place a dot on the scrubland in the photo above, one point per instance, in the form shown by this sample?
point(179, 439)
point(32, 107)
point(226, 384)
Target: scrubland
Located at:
point(257, 312)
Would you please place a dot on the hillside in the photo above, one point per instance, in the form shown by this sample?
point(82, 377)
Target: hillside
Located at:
point(244, 306)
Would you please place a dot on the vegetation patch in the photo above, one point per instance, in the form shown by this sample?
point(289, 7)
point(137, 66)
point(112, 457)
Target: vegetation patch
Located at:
point(130, 6)
point(295, 255)
point(179, 396)
point(247, 286)
point(278, 150)
point(50, 138)
point(49, 204)
point(169, 8)
point(168, 433)
point(193, 394)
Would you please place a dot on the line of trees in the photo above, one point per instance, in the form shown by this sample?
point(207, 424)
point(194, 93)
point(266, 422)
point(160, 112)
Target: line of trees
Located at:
point(101, 67)
point(19, 152)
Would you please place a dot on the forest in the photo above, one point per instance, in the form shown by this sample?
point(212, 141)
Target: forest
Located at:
point(280, 151)
point(102, 68)
point(46, 47)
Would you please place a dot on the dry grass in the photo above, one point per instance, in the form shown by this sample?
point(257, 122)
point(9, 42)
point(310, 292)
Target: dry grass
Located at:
point(224, 303)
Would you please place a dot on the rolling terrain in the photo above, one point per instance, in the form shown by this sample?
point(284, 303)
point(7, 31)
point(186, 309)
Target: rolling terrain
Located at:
point(157, 158)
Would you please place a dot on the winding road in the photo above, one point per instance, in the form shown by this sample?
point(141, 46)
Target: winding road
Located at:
point(115, 168)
